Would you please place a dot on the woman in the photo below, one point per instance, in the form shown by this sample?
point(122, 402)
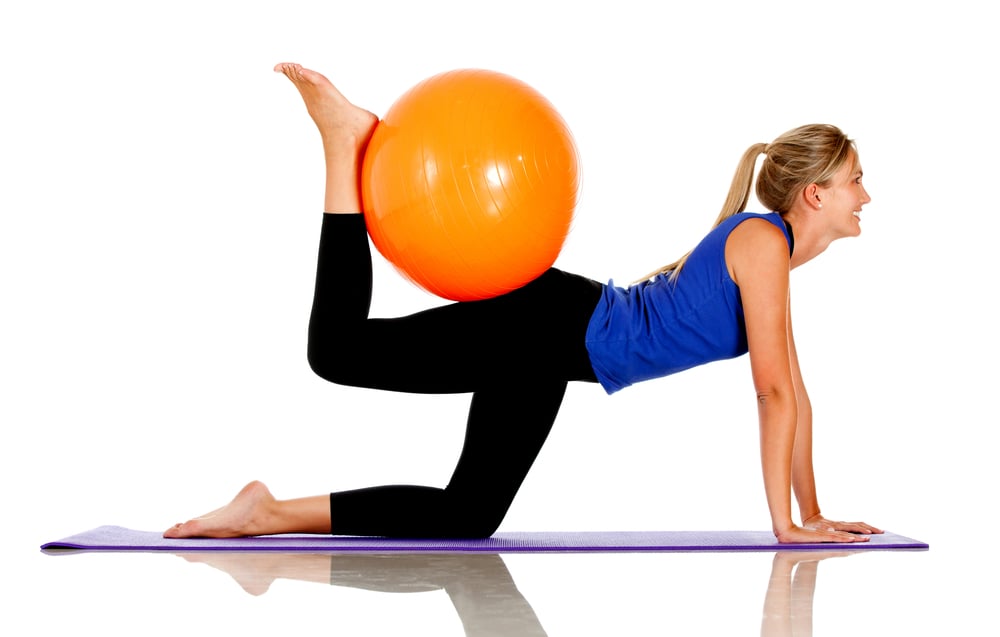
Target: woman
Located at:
point(728, 296)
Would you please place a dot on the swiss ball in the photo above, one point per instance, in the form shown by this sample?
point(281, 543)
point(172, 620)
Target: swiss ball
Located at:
point(469, 184)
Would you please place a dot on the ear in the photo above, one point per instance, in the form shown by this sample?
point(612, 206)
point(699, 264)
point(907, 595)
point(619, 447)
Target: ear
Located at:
point(812, 196)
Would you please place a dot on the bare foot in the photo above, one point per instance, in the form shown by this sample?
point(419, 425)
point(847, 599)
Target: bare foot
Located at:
point(345, 128)
point(254, 511)
point(245, 515)
point(336, 117)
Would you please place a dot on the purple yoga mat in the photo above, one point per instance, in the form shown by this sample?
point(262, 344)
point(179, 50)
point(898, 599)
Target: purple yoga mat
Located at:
point(116, 538)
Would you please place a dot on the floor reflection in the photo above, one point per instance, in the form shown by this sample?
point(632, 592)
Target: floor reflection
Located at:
point(480, 586)
point(788, 604)
point(482, 590)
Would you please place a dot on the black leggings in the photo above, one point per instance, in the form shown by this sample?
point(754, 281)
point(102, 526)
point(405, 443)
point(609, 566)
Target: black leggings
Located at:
point(515, 353)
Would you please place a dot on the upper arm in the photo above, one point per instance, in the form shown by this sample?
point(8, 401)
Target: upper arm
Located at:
point(757, 257)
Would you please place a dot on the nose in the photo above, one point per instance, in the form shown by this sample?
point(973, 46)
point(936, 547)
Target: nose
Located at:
point(865, 198)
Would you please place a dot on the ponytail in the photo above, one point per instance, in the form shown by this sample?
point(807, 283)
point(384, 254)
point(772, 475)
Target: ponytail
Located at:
point(739, 190)
point(736, 202)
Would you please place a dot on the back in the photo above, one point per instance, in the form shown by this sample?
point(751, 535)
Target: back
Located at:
point(660, 327)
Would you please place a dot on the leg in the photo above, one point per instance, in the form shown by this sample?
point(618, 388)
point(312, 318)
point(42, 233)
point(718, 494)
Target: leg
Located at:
point(345, 130)
point(507, 428)
point(534, 333)
point(254, 511)
point(478, 343)
point(528, 337)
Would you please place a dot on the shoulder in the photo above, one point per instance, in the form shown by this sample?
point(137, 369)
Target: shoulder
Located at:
point(758, 231)
point(756, 247)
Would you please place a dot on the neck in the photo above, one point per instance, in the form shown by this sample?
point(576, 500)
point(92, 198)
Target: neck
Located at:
point(809, 240)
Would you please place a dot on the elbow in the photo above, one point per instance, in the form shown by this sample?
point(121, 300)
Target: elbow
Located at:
point(776, 399)
point(771, 392)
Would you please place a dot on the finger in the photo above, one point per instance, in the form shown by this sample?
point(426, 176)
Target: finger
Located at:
point(803, 535)
point(830, 534)
point(845, 537)
point(857, 527)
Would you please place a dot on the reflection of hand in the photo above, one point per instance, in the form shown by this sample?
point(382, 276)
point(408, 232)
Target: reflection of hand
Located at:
point(820, 523)
point(791, 559)
point(788, 605)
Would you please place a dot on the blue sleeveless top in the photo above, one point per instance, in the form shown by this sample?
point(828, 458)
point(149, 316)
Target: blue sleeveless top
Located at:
point(661, 327)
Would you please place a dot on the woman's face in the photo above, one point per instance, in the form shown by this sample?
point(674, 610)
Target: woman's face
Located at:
point(843, 198)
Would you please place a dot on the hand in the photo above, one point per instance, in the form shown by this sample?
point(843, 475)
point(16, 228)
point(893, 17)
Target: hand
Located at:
point(820, 523)
point(808, 535)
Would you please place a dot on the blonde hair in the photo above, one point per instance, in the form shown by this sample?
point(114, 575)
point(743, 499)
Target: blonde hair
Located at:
point(810, 154)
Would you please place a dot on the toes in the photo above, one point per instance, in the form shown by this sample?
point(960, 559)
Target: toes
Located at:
point(173, 531)
point(290, 70)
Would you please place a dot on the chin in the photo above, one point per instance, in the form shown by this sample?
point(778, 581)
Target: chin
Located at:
point(848, 235)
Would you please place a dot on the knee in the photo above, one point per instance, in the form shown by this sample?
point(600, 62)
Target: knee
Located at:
point(480, 529)
point(326, 363)
point(469, 530)
point(476, 521)
point(343, 363)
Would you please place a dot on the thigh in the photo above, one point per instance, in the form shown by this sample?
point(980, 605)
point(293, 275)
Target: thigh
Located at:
point(535, 332)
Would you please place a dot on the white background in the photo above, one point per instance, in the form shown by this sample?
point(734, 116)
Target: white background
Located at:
point(161, 191)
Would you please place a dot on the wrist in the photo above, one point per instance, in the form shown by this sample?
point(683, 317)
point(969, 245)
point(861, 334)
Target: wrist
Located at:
point(812, 517)
point(780, 527)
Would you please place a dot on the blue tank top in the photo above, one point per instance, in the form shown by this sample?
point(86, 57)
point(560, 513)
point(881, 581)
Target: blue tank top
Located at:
point(661, 327)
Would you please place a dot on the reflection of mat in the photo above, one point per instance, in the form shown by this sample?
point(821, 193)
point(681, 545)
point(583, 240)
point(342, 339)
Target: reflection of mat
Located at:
point(116, 538)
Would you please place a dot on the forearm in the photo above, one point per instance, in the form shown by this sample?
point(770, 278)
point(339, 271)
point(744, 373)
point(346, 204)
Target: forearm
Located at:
point(803, 477)
point(803, 480)
point(777, 413)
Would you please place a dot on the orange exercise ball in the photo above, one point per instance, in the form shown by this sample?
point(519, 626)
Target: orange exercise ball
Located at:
point(469, 184)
